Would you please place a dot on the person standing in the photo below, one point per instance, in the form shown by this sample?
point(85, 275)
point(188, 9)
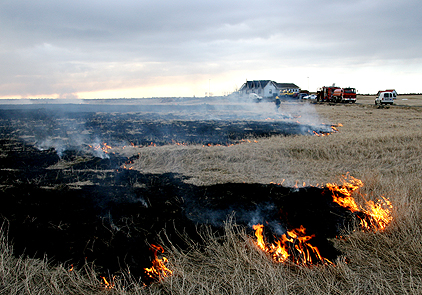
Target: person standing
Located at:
point(277, 102)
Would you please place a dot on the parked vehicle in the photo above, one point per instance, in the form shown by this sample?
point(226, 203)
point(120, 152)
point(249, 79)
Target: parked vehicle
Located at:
point(385, 97)
point(389, 90)
point(255, 97)
point(326, 93)
point(302, 95)
point(349, 95)
point(336, 94)
point(311, 96)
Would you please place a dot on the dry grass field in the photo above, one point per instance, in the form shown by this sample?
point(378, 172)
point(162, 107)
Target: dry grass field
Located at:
point(373, 142)
point(382, 146)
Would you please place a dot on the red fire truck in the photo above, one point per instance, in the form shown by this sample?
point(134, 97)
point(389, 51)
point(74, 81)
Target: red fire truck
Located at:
point(349, 95)
point(326, 93)
point(336, 94)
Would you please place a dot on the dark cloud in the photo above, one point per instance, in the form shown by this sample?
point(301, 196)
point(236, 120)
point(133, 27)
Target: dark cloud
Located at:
point(47, 46)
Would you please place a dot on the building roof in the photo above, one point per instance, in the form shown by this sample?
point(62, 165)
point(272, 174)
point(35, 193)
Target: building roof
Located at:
point(256, 84)
point(262, 83)
point(286, 85)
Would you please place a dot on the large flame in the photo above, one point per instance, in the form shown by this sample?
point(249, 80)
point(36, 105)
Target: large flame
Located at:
point(159, 269)
point(294, 244)
point(342, 194)
point(378, 213)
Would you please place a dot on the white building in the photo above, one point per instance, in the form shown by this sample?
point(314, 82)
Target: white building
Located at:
point(267, 88)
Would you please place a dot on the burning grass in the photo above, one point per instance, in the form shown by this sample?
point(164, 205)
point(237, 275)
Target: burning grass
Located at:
point(233, 264)
point(383, 260)
point(380, 146)
point(375, 262)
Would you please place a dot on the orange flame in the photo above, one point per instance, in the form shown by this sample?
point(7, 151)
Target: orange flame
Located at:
point(342, 195)
point(334, 128)
point(292, 244)
point(159, 269)
point(104, 147)
point(107, 284)
point(379, 212)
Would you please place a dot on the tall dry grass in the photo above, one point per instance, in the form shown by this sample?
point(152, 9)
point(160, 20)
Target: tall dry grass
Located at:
point(374, 142)
point(381, 146)
point(380, 263)
point(23, 275)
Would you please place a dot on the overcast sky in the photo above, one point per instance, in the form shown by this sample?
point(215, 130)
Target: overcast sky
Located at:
point(128, 48)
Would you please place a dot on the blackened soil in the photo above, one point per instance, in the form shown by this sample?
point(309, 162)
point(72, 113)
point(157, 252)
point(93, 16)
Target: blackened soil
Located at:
point(95, 211)
point(112, 219)
point(50, 128)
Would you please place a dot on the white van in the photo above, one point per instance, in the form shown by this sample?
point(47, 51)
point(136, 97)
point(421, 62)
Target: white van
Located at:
point(385, 97)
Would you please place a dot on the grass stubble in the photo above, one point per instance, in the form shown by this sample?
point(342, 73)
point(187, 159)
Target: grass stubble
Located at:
point(380, 146)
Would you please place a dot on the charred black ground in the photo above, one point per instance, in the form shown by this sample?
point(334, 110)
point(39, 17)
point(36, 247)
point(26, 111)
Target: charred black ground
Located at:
point(64, 129)
point(95, 211)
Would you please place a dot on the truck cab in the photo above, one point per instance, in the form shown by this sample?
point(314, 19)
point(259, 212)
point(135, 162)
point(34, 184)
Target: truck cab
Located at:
point(349, 95)
point(385, 97)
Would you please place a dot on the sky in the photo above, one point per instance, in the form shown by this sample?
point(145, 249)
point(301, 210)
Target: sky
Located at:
point(137, 48)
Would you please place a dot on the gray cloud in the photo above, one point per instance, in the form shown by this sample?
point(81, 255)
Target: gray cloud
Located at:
point(52, 47)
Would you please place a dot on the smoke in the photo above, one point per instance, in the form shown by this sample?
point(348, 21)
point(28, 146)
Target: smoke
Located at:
point(264, 213)
point(99, 149)
point(234, 108)
point(89, 124)
point(59, 145)
point(71, 137)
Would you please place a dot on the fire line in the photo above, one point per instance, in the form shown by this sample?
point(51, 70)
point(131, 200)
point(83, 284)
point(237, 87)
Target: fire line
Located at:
point(294, 245)
point(378, 213)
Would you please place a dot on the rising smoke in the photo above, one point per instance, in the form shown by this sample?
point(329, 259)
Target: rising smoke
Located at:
point(87, 126)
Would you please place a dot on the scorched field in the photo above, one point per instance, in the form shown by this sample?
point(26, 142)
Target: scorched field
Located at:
point(187, 196)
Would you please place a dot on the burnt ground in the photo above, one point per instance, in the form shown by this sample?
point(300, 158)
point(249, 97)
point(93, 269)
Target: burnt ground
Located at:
point(95, 211)
point(46, 127)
